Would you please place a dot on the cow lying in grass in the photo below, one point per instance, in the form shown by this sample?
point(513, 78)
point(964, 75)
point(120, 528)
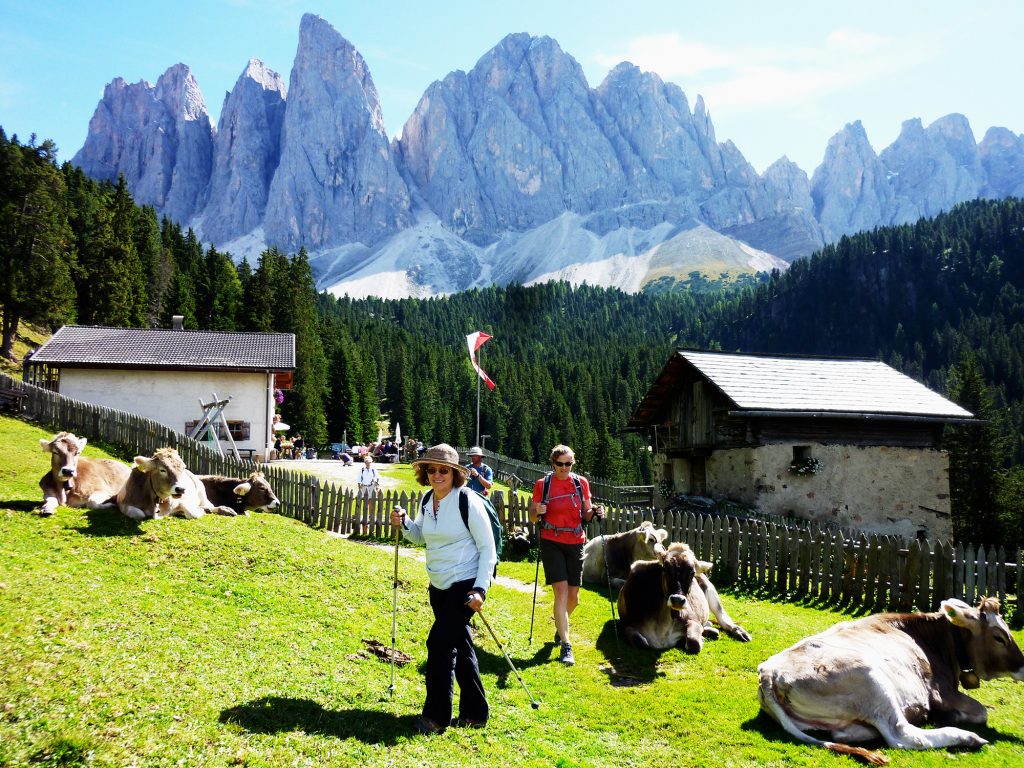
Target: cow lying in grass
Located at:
point(161, 485)
point(623, 549)
point(887, 675)
point(669, 601)
point(76, 481)
point(240, 495)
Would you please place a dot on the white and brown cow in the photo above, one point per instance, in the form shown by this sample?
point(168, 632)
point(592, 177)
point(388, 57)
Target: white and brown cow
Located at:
point(668, 602)
point(161, 485)
point(888, 674)
point(623, 549)
point(240, 495)
point(76, 481)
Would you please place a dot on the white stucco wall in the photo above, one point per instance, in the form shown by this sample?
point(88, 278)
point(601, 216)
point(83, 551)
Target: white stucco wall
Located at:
point(879, 488)
point(172, 397)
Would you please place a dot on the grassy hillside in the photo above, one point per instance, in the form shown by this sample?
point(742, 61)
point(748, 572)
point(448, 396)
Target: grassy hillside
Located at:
point(28, 337)
point(225, 641)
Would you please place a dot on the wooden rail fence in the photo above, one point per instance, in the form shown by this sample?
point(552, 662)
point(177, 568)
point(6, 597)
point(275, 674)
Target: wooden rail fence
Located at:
point(797, 562)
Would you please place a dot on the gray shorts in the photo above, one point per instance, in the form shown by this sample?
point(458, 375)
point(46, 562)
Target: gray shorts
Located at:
point(562, 562)
point(366, 492)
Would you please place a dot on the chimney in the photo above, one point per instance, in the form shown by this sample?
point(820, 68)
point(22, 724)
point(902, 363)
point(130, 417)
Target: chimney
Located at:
point(177, 322)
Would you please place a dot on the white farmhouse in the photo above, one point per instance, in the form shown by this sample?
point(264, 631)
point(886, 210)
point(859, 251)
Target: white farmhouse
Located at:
point(164, 374)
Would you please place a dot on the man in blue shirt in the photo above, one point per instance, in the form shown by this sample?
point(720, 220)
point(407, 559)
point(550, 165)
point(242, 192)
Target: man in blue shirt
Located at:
point(481, 477)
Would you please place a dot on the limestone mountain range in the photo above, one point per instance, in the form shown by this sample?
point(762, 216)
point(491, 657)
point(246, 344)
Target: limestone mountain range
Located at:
point(516, 171)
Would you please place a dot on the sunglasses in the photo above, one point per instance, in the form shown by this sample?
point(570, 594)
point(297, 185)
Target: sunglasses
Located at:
point(563, 463)
point(438, 470)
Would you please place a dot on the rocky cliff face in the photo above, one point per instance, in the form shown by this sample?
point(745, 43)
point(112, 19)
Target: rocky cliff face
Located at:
point(159, 137)
point(1002, 162)
point(850, 188)
point(245, 154)
point(512, 144)
point(336, 181)
point(932, 169)
point(517, 170)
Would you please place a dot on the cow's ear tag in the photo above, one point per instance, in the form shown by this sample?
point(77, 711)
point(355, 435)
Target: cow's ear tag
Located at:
point(957, 612)
point(242, 488)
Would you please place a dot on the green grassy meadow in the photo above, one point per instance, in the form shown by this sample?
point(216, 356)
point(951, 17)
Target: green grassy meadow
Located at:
point(238, 642)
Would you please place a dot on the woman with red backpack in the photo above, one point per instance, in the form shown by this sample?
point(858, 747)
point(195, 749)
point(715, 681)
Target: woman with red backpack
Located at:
point(562, 505)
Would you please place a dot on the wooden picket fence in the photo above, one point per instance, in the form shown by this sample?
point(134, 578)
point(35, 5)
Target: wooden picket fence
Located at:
point(526, 473)
point(802, 562)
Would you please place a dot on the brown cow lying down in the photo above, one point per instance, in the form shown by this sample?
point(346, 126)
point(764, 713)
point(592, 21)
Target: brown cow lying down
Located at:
point(886, 675)
point(76, 481)
point(642, 543)
point(668, 602)
point(161, 486)
point(240, 495)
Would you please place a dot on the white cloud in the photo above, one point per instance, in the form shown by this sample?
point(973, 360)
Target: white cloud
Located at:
point(742, 79)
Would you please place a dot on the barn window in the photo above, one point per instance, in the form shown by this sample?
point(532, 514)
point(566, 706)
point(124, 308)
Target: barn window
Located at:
point(803, 462)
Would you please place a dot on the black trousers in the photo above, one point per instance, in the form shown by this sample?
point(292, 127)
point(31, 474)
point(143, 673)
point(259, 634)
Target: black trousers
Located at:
point(451, 657)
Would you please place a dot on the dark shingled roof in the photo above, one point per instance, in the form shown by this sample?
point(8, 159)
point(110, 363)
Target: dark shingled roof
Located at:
point(793, 386)
point(76, 346)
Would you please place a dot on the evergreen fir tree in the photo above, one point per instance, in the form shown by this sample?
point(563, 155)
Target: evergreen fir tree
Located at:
point(976, 456)
point(36, 242)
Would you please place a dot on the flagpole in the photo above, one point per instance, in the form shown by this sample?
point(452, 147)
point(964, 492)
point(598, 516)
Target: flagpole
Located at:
point(478, 403)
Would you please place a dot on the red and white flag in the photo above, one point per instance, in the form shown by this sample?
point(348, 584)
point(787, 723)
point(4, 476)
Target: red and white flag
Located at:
point(475, 341)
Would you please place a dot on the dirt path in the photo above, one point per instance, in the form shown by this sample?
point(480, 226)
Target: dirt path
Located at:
point(328, 469)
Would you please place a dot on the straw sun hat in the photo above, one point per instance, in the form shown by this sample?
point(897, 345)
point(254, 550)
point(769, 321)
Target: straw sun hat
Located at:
point(444, 455)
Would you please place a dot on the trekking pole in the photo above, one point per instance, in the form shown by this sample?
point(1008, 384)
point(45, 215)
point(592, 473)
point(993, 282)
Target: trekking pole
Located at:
point(394, 614)
point(536, 578)
point(608, 578)
point(533, 702)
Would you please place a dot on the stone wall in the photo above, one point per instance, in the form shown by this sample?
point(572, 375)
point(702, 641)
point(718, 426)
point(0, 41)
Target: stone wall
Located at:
point(883, 489)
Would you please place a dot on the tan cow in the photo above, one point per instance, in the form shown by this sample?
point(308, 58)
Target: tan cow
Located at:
point(161, 485)
point(886, 675)
point(240, 495)
point(642, 543)
point(76, 481)
point(669, 602)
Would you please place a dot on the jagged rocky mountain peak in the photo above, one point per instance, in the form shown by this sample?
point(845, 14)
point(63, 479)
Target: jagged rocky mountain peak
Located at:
point(336, 180)
point(515, 170)
point(262, 75)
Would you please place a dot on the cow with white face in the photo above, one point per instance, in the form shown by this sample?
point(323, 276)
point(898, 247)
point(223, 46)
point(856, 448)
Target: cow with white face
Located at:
point(240, 495)
point(76, 481)
point(161, 485)
point(608, 558)
point(669, 602)
point(886, 675)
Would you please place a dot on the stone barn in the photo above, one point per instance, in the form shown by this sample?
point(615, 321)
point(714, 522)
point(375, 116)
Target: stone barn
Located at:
point(164, 374)
point(848, 442)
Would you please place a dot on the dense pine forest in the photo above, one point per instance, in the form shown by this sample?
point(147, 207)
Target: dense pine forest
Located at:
point(940, 300)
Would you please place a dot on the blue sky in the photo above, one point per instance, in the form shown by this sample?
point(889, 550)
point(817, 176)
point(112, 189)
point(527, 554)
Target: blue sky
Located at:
point(778, 78)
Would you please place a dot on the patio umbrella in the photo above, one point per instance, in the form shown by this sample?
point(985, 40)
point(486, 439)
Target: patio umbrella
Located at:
point(280, 426)
point(398, 434)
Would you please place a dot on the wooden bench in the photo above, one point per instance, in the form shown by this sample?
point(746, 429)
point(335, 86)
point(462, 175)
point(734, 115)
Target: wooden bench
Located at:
point(246, 453)
point(12, 400)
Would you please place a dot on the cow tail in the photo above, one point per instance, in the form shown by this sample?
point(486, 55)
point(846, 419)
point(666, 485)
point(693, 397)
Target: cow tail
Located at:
point(771, 704)
point(858, 753)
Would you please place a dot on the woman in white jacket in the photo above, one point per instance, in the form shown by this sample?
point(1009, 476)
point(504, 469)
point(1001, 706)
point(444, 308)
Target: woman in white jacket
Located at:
point(460, 560)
